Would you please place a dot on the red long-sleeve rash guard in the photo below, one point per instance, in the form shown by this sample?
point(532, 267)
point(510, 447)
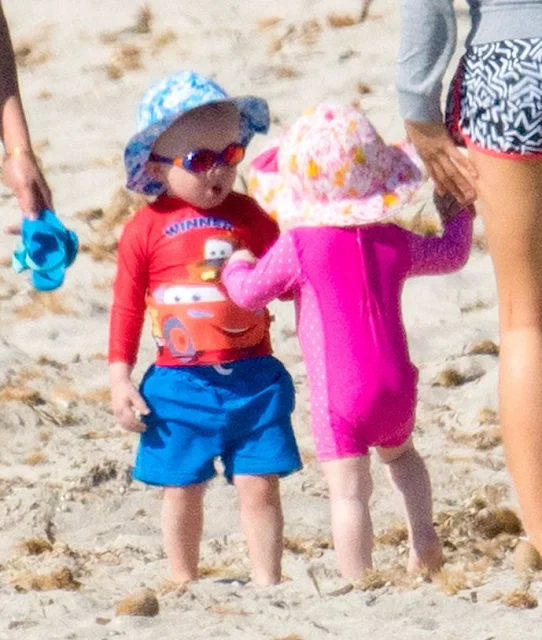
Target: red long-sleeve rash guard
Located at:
point(169, 261)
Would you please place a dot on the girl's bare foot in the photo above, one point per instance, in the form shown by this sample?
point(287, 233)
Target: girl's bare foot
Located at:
point(425, 554)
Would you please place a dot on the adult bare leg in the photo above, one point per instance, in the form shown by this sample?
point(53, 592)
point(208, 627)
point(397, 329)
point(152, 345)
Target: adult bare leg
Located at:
point(510, 201)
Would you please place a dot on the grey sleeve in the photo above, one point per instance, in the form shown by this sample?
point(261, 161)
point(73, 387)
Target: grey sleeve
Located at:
point(428, 41)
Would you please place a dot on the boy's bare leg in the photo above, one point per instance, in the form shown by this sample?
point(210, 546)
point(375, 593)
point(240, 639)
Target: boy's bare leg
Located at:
point(262, 523)
point(350, 488)
point(182, 525)
point(409, 476)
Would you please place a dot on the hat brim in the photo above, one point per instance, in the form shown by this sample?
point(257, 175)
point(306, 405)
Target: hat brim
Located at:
point(255, 118)
point(291, 209)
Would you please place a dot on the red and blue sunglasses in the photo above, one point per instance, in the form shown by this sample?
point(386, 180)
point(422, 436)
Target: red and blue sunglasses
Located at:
point(201, 160)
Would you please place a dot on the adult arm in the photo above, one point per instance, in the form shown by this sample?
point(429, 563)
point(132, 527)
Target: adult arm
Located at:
point(428, 41)
point(21, 170)
point(253, 286)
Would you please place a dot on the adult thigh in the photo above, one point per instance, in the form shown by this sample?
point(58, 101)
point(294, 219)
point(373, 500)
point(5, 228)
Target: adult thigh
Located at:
point(510, 201)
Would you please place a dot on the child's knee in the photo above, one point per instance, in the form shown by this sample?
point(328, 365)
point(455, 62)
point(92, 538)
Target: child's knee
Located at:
point(388, 455)
point(353, 489)
point(256, 492)
point(349, 478)
point(358, 491)
point(184, 497)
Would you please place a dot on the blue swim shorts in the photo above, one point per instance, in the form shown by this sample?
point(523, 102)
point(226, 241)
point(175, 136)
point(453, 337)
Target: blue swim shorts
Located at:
point(239, 412)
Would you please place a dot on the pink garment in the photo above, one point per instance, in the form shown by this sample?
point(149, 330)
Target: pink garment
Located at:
point(347, 284)
point(331, 168)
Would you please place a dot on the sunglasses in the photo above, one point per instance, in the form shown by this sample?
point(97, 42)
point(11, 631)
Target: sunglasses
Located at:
point(201, 160)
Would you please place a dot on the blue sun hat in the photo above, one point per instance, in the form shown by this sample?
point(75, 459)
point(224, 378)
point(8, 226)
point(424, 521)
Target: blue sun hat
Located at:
point(164, 103)
point(47, 248)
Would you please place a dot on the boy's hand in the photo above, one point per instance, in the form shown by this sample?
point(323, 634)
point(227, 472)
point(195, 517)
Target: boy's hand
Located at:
point(243, 255)
point(128, 405)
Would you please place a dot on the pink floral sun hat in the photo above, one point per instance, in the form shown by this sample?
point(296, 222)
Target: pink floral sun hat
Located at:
point(331, 168)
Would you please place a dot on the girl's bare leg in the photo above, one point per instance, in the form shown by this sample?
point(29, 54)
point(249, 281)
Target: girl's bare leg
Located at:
point(409, 476)
point(510, 201)
point(182, 525)
point(350, 488)
point(262, 523)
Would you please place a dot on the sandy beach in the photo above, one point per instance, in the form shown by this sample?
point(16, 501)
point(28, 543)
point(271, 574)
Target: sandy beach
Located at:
point(77, 535)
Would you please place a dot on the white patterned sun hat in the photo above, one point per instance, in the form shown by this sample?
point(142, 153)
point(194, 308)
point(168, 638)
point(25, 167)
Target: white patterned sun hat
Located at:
point(331, 168)
point(169, 99)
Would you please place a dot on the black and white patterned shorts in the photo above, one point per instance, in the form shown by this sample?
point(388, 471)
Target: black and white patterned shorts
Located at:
point(495, 100)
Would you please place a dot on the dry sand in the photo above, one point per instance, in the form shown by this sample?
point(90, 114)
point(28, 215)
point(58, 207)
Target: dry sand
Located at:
point(77, 535)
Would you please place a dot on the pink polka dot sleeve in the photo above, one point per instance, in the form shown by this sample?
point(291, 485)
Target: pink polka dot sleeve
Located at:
point(442, 254)
point(275, 275)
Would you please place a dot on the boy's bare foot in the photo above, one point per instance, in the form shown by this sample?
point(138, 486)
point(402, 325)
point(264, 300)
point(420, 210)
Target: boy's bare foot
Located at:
point(425, 555)
point(183, 579)
point(265, 579)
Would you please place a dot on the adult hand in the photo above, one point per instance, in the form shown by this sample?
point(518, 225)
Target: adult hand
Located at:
point(26, 180)
point(449, 169)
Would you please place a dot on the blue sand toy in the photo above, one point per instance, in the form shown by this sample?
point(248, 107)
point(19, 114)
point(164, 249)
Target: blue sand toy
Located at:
point(47, 249)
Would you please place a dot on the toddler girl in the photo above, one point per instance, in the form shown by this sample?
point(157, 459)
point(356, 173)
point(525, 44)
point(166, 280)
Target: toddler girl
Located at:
point(335, 183)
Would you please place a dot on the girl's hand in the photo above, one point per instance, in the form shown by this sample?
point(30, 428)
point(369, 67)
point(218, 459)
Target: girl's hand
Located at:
point(128, 405)
point(449, 169)
point(243, 255)
point(448, 207)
